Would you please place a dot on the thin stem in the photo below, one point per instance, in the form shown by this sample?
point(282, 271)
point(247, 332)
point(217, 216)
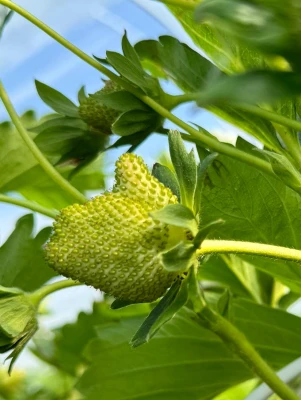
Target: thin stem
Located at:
point(255, 110)
point(37, 296)
point(29, 205)
point(258, 249)
point(210, 142)
point(186, 4)
point(240, 345)
point(270, 116)
point(45, 164)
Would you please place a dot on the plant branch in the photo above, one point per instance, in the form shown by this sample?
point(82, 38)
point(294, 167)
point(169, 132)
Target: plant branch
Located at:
point(255, 110)
point(29, 205)
point(240, 345)
point(37, 296)
point(210, 142)
point(186, 4)
point(44, 163)
point(259, 249)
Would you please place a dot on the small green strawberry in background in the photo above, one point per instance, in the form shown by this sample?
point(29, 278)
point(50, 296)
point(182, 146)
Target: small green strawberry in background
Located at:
point(76, 135)
point(99, 116)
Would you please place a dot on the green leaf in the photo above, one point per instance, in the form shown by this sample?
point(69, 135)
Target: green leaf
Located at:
point(185, 168)
point(186, 67)
point(252, 87)
point(134, 121)
point(184, 359)
point(56, 100)
point(161, 312)
point(269, 29)
point(179, 258)
point(167, 177)
point(130, 53)
point(192, 72)
point(209, 39)
point(255, 208)
point(201, 174)
point(223, 303)
point(22, 261)
point(239, 276)
point(176, 215)
point(65, 351)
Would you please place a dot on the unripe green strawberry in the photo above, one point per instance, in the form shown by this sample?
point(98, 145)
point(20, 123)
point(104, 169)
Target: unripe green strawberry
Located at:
point(97, 116)
point(112, 243)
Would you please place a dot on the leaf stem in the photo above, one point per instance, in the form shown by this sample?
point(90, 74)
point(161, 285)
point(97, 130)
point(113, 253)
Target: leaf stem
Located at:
point(45, 164)
point(37, 296)
point(252, 109)
point(29, 205)
point(240, 345)
point(208, 141)
point(259, 249)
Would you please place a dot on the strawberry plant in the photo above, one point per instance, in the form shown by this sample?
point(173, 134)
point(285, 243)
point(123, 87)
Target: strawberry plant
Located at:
point(198, 258)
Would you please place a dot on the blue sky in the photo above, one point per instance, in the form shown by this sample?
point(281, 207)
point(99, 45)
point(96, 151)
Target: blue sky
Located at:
point(95, 26)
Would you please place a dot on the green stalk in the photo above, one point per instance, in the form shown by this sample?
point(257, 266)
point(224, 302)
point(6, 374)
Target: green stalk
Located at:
point(29, 205)
point(37, 296)
point(255, 110)
point(42, 160)
point(258, 249)
point(210, 142)
point(186, 4)
point(239, 344)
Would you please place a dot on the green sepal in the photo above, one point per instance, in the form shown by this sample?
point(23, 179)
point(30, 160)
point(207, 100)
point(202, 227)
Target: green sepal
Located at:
point(130, 53)
point(121, 101)
point(132, 140)
point(179, 258)
point(167, 177)
point(59, 122)
point(56, 100)
point(204, 232)
point(81, 95)
point(174, 299)
point(135, 121)
point(118, 303)
point(20, 345)
point(201, 174)
point(6, 21)
point(185, 167)
point(176, 215)
point(133, 73)
point(58, 140)
point(18, 321)
point(283, 168)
